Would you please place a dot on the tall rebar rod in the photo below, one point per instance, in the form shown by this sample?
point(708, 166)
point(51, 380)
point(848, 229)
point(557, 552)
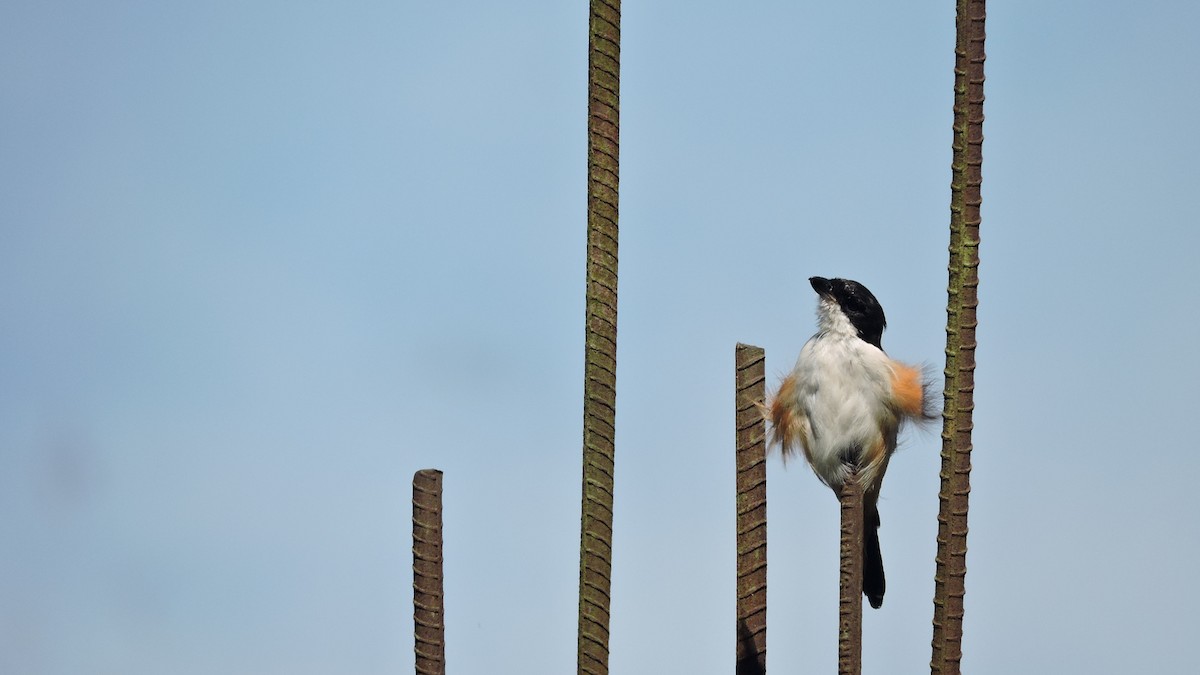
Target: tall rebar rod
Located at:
point(850, 577)
point(965, 182)
point(751, 461)
point(600, 353)
point(428, 607)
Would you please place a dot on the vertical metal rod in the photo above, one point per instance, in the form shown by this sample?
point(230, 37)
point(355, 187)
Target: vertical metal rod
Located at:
point(851, 578)
point(428, 608)
point(600, 336)
point(965, 200)
point(751, 461)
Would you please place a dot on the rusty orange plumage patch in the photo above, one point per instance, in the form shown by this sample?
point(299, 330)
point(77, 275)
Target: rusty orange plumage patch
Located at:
point(908, 390)
point(787, 421)
point(781, 412)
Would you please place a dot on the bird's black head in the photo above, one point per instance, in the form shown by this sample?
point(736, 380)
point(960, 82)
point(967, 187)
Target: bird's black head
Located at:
point(857, 303)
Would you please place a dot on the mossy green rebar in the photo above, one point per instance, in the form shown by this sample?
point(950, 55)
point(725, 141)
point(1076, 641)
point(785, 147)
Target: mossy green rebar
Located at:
point(965, 184)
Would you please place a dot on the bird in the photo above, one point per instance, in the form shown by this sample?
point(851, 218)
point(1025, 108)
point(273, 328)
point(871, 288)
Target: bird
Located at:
point(844, 403)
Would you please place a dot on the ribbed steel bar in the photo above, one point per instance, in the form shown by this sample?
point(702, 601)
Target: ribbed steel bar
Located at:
point(965, 200)
point(850, 577)
point(600, 338)
point(751, 462)
point(428, 608)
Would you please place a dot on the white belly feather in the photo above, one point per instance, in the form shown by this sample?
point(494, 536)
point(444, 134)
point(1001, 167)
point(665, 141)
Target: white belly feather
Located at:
point(844, 390)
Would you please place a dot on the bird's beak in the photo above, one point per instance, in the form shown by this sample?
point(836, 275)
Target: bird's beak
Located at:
point(821, 285)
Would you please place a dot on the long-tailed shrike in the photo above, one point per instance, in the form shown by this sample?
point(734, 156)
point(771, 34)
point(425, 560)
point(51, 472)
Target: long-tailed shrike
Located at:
point(844, 402)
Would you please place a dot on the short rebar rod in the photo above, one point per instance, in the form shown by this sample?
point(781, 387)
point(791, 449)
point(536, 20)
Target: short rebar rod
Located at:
point(751, 462)
point(851, 578)
point(961, 323)
point(428, 607)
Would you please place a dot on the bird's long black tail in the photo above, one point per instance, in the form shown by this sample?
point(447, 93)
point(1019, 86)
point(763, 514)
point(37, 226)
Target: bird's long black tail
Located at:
point(873, 582)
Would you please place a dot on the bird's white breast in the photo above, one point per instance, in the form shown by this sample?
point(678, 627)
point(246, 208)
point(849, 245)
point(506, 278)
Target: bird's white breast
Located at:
point(843, 387)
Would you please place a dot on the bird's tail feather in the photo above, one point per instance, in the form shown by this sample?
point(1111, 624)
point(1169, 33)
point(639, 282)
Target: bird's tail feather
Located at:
point(873, 582)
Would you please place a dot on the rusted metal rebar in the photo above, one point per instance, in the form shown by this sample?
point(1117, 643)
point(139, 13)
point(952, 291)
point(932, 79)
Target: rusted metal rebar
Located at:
point(428, 608)
point(965, 200)
point(600, 337)
point(851, 578)
point(751, 460)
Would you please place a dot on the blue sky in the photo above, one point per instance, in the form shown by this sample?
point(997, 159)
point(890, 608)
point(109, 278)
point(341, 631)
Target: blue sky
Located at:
point(260, 262)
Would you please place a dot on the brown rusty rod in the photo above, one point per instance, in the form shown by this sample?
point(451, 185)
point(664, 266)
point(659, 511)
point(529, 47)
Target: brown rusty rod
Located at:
point(428, 608)
point(751, 461)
